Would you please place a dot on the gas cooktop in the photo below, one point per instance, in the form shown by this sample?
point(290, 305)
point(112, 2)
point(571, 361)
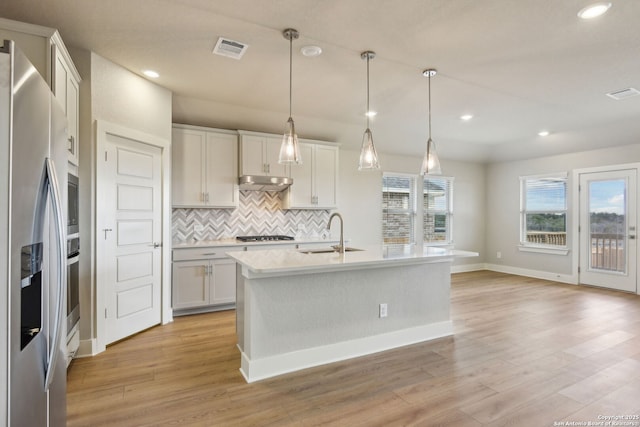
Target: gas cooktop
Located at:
point(263, 238)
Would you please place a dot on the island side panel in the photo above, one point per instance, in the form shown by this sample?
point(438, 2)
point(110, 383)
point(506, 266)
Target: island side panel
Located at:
point(292, 313)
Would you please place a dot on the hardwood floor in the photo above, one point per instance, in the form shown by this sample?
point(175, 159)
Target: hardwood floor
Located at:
point(526, 352)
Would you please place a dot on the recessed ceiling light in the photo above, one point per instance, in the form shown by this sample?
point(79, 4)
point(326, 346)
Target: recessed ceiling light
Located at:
point(466, 117)
point(150, 73)
point(311, 50)
point(371, 113)
point(594, 10)
point(543, 133)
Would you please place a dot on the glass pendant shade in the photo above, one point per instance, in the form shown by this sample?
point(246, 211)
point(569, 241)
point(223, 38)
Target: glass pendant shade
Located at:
point(289, 149)
point(430, 163)
point(368, 155)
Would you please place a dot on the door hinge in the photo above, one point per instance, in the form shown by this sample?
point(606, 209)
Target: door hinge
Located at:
point(105, 156)
point(578, 269)
point(579, 229)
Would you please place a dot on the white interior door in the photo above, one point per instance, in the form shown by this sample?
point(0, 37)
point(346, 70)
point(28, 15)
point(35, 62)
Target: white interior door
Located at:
point(129, 230)
point(608, 229)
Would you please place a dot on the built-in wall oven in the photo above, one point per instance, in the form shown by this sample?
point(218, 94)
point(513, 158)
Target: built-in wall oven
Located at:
point(73, 282)
point(73, 254)
point(72, 205)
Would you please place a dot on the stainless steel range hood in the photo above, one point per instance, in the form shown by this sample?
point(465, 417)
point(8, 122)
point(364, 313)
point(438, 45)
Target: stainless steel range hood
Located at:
point(264, 183)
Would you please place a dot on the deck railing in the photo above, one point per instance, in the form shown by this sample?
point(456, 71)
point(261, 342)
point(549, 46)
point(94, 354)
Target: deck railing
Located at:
point(547, 238)
point(607, 251)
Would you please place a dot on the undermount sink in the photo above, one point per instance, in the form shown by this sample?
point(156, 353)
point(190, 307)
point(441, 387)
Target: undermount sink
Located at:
point(327, 250)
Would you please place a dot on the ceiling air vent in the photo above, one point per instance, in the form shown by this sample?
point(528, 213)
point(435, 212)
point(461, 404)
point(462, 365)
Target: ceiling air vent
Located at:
point(623, 93)
point(230, 48)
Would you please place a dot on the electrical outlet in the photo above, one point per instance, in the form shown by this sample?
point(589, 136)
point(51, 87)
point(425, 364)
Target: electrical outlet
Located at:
point(498, 254)
point(198, 228)
point(383, 310)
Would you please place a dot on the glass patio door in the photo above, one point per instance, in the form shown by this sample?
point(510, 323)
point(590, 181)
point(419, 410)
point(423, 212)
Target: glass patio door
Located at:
point(608, 229)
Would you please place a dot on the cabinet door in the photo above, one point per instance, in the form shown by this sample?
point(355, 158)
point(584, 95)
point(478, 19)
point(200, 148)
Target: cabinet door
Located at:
point(65, 89)
point(301, 193)
point(251, 162)
point(190, 284)
point(223, 283)
point(187, 175)
point(326, 176)
point(73, 100)
point(221, 189)
point(272, 152)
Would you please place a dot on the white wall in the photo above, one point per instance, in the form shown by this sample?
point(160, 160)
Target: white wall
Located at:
point(110, 93)
point(360, 200)
point(503, 206)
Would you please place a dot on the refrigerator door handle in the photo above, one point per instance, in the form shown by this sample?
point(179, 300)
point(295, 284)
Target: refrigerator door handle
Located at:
point(56, 200)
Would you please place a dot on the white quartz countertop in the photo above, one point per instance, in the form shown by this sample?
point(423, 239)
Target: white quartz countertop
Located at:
point(233, 242)
point(276, 262)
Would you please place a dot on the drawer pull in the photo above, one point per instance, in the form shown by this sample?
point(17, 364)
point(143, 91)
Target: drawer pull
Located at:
point(210, 254)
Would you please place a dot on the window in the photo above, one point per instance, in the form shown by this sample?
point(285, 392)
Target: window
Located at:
point(398, 208)
point(543, 211)
point(437, 209)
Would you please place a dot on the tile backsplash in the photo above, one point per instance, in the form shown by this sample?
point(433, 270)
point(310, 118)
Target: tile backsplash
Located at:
point(258, 212)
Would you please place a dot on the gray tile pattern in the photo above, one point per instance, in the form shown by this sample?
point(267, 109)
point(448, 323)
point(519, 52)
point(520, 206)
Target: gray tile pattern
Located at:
point(258, 212)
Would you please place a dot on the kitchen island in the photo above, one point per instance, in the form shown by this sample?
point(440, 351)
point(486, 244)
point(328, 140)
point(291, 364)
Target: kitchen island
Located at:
point(296, 309)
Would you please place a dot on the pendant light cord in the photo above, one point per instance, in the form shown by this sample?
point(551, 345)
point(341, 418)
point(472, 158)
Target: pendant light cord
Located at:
point(429, 105)
point(367, 113)
point(290, 72)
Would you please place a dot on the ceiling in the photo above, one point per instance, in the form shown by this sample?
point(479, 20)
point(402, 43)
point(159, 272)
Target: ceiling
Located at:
point(518, 66)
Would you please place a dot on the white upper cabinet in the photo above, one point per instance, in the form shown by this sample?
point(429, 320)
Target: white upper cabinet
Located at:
point(259, 155)
point(204, 167)
point(67, 92)
point(45, 49)
point(315, 181)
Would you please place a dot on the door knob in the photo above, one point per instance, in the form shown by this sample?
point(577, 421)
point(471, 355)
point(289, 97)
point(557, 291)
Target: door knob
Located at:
point(156, 245)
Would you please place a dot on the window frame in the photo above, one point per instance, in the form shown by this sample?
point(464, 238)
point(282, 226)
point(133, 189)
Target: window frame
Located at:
point(411, 211)
point(528, 246)
point(447, 211)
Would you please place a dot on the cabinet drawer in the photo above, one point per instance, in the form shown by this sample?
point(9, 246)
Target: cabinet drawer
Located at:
point(204, 253)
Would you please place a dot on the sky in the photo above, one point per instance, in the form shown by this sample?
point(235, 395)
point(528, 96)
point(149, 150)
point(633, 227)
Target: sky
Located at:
point(607, 196)
point(549, 195)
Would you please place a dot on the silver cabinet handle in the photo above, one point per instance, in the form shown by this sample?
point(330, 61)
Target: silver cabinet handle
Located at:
point(156, 245)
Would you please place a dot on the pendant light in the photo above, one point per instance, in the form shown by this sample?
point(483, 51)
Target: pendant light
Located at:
point(289, 150)
point(368, 155)
point(430, 163)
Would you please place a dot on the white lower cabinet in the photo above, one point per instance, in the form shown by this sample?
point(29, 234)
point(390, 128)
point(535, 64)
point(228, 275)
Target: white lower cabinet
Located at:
point(204, 279)
point(204, 282)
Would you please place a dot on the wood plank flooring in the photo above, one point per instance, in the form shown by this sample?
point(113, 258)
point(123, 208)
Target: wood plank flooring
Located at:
point(526, 352)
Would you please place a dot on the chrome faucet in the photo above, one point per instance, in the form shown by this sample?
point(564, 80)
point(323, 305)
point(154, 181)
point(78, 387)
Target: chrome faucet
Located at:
point(340, 248)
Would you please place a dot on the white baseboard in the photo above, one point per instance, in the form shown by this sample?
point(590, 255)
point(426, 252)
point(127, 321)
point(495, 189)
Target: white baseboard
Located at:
point(87, 348)
point(465, 268)
point(545, 275)
point(259, 369)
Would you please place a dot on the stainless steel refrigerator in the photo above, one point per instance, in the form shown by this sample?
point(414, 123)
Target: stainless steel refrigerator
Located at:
point(33, 174)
